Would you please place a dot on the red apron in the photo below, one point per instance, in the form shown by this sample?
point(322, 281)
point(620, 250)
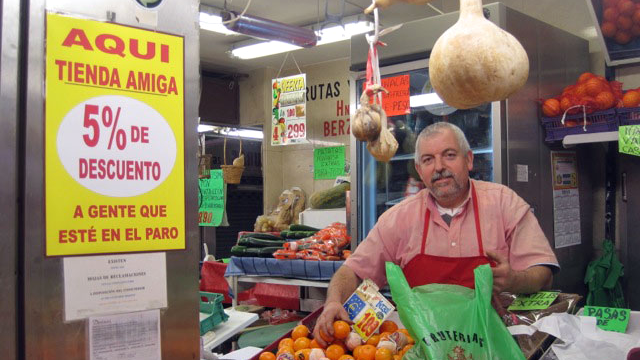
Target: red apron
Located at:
point(428, 269)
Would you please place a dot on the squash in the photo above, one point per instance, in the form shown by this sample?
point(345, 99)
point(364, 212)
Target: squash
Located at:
point(331, 198)
point(475, 61)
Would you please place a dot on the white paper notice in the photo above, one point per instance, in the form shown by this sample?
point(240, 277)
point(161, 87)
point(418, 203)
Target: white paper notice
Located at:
point(112, 284)
point(566, 199)
point(522, 173)
point(132, 336)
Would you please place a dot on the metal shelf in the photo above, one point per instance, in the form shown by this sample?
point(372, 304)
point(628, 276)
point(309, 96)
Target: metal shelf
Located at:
point(606, 136)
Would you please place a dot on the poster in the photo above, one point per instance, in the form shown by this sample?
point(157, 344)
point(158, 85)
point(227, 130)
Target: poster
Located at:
point(328, 162)
point(396, 101)
point(133, 336)
point(566, 199)
point(109, 284)
point(212, 199)
point(114, 138)
point(289, 110)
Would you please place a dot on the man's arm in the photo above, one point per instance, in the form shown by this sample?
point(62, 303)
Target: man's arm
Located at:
point(526, 281)
point(343, 283)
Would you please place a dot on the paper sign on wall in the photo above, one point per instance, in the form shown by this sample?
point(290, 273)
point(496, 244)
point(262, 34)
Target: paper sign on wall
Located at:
point(289, 110)
point(328, 162)
point(212, 199)
point(114, 138)
point(610, 319)
point(566, 198)
point(396, 102)
point(133, 336)
point(629, 139)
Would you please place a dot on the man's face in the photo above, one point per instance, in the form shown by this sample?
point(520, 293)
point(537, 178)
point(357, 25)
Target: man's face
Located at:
point(443, 168)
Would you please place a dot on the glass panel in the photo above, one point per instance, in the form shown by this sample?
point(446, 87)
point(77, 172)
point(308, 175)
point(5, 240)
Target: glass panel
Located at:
point(383, 185)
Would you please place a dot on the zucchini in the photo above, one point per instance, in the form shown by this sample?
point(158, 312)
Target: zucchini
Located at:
point(238, 250)
point(298, 227)
point(331, 198)
point(259, 235)
point(268, 251)
point(289, 234)
point(252, 242)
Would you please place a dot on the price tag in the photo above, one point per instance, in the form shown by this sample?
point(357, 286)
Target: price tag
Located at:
point(610, 319)
point(629, 139)
point(538, 301)
point(367, 324)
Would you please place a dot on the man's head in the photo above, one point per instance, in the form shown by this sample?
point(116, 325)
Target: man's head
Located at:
point(443, 160)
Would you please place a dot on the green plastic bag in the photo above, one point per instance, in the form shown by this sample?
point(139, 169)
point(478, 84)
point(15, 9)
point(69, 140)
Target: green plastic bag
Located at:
point(451, 321)
point(603, 278)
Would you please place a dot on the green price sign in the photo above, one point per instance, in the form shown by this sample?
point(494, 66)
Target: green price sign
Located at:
point(629, 139)
point(211, 198)
point(328, 162)
point(538, 301)
point(610, 319)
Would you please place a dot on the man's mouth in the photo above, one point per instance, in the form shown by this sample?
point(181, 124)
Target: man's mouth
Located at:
point(442, 179)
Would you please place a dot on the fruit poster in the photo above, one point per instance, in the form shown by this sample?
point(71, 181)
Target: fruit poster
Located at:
point(114, 138)
point(289, 110)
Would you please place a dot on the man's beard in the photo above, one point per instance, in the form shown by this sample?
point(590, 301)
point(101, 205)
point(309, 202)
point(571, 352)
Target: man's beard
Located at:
point(452, 191)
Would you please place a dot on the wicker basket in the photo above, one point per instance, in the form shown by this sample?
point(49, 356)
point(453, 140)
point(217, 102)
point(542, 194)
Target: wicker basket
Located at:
point(231, 173)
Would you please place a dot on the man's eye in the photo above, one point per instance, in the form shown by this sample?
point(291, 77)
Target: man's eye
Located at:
point(427, 160)
point(450, 155)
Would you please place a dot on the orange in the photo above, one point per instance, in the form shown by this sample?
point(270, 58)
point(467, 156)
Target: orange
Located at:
point(631, 99)
point(346, 357)
point(301, 343)
point(341, 329)
point(356, 351)
point(267, 356)
point(340, 343)
point(397, 357)
point(367, 352)
point(385, 335)
point(315, 345)
point(383, 354)
point(285, 349)
point(285, 342)
point(302, 354)
point(334, 352)
point(326, 337)
point(406, 348)
point(299, 331)
point(374, 340)
point(388, 326)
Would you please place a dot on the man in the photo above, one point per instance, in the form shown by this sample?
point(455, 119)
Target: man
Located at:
point(442, 233)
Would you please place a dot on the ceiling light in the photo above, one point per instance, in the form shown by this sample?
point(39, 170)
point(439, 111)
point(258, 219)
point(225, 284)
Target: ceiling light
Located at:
point(338, 33)
point(205, 128)
point(424, 100)
point(214, 23)
point(262, 49)
point(268, 29)
point(246, 133)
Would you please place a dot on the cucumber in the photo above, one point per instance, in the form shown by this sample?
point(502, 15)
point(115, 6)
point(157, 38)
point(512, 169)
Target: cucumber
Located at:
point(331, 198)
point(289, 234)
point(238, 250)
point(259, 235)
point(298, 227)
point(252, 242)
point(268, 251)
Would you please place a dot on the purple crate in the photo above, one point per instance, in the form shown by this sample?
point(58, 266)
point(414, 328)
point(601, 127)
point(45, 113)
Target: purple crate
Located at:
point(629, 116)
point(599, 121)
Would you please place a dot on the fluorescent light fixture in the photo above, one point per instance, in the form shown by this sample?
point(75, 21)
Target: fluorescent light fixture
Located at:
point(269, 30)
point(214, 23)
point(337, 33)
point(262, 49)
point(424, 100)
point(327, 36)
point(246, 133)
point(205, 128)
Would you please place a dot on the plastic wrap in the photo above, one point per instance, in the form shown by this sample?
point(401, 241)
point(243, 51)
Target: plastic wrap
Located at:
point(531, 345)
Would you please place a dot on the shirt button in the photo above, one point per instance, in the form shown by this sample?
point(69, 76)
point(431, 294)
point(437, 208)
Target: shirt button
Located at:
point(453, 244)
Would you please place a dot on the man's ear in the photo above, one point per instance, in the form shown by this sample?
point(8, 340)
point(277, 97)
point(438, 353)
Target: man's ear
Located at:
point(469, 160)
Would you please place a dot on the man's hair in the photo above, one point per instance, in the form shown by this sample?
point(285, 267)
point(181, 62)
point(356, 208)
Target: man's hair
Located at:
point(438, 128)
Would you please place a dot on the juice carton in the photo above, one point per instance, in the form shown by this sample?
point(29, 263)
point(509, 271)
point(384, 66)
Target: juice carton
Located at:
point(367, 308)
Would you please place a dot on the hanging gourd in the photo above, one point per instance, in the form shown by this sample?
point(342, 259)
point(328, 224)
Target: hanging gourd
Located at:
point(475, 61)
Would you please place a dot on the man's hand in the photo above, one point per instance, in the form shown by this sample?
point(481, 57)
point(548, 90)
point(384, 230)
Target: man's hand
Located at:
point(503, 275)
point(324, 325)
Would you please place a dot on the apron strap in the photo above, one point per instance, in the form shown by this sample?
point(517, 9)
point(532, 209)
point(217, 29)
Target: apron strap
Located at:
point(476, 215)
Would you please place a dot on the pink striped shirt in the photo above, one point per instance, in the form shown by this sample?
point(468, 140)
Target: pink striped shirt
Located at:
point(507, 226)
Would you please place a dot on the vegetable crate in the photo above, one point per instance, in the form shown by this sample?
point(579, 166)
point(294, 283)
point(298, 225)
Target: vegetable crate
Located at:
point(596, 122)
point(309, 321)
point(212, 307)
point(629, 116)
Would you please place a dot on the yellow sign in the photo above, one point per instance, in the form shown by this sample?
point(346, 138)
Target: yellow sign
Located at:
point(114, 138)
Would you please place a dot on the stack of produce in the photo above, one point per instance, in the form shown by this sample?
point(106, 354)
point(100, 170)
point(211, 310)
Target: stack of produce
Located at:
point(326, 244)
point(390, 343)
point(256, 244)
point(620, 20)
point(590, 93)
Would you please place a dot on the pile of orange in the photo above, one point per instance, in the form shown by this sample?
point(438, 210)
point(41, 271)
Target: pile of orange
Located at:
point(620, 20)
point(300, 346)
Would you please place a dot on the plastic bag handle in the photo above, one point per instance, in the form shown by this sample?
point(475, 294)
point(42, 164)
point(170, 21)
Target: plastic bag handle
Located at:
point(395, 278)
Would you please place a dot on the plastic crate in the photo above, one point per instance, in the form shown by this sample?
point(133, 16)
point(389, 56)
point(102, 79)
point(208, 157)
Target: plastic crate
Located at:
point(596, 122)
point(212, 307)
point(309, 321)
point(628, 116)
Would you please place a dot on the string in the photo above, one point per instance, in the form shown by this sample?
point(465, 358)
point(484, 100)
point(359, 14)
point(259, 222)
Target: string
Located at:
point(285, 60)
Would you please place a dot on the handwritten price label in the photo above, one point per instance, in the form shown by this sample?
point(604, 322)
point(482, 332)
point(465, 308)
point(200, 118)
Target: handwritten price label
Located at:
point(538, 301)
point(368, 324)
point(610, 319)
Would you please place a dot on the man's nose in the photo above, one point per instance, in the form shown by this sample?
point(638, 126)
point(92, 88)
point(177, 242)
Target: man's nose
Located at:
point(438, 163)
